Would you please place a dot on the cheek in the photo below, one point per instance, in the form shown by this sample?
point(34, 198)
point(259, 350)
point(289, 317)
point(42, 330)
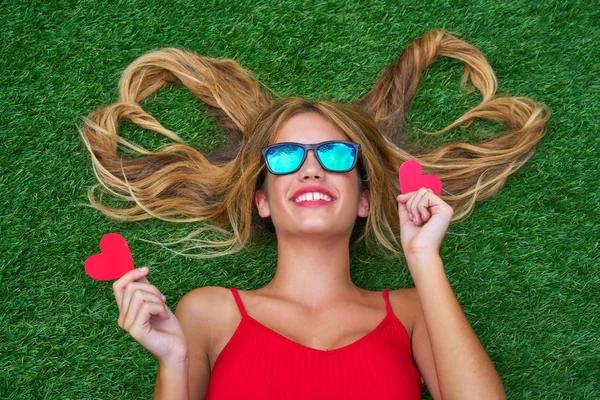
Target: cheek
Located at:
point(278, 189)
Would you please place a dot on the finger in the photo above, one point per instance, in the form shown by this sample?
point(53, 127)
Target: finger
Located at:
point(413, 206)
point(136, 300)
point(424, 205)
point(406, 197)
point(132, 287)
point(421, 207)
point(120, 284)
point(402, 212)
point(140, 327)
point(139, 299)
point(409, 204)
point(143, 280)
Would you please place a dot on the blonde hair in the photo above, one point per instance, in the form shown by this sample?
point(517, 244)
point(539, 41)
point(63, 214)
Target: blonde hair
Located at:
point(219, 188)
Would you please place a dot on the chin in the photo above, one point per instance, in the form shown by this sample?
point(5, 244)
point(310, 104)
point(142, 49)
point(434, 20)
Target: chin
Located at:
point(318, 231)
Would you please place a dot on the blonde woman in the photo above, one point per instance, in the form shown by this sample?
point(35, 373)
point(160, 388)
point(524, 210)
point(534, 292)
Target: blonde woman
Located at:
point(320, 177)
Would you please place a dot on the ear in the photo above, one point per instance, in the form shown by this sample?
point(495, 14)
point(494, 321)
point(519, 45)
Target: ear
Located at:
point(260, 199)
point(363, 204)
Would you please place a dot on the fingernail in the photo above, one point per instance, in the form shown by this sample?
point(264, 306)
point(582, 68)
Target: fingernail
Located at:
point(410, 216)
point(163, 297)
point(144, 269)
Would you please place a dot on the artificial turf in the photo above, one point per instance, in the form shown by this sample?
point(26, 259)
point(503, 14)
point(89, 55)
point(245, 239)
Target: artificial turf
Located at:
point(524, 265)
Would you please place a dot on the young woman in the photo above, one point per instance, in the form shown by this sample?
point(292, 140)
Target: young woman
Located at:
point(320, 177)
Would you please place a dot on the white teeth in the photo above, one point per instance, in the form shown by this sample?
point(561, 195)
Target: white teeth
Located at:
point(312, 196)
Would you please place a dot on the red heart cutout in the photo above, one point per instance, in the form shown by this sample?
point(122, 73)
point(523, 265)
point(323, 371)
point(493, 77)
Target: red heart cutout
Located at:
point(412, 179)
point(113, 261)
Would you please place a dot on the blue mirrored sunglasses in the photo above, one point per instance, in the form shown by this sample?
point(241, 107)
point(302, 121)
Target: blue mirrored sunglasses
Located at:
point(288, 157)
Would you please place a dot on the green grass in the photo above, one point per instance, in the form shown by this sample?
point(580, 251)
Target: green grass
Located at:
point(524, 265)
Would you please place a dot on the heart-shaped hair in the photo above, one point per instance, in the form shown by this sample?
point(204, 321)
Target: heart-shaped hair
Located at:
point(218, 188)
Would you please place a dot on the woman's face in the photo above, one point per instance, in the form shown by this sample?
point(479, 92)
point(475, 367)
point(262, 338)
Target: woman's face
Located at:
point(293, 218)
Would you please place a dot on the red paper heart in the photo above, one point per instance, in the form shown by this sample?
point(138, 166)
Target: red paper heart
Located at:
point(412, 179)
point(113, 261)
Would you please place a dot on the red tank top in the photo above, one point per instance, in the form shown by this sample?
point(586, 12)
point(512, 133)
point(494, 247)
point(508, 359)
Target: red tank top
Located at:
point(259, 363)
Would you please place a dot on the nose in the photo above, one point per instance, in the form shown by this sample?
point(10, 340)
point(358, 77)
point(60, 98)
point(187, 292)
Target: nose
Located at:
point(311, 166)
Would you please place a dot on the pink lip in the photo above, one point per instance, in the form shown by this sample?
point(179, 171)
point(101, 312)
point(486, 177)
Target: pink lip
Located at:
point(312, 203)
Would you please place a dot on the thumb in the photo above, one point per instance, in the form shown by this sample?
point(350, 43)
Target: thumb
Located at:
point(143, 279)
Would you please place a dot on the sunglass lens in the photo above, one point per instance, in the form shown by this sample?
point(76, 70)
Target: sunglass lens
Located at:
point(284, 158)
point(337, 156)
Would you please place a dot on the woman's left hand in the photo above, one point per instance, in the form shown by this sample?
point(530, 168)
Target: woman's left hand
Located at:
point(423, 234)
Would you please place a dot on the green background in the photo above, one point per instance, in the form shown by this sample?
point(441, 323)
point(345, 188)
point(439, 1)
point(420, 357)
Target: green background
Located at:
point(524, 265)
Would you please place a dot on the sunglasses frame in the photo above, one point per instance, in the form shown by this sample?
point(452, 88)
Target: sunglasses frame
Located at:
point(313, 147)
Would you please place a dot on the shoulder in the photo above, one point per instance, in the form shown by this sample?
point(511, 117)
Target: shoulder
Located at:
point(208, 296)
point(199, 310)
point(406, 306)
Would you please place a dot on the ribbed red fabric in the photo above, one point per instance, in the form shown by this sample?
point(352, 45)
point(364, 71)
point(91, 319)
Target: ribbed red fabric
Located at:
point(259, 363)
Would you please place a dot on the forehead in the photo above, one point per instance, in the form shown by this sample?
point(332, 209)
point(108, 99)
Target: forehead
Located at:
point(309, 127)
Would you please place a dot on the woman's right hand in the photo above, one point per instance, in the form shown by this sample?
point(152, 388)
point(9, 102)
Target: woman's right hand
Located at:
point(144, 314)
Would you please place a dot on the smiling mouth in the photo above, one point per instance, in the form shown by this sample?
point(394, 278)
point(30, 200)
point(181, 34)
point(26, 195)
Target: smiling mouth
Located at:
point(313, 196)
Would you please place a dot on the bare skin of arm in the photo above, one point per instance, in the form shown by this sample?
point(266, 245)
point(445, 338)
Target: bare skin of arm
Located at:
point(452, 360)
point(172, 381)
point(189, 379)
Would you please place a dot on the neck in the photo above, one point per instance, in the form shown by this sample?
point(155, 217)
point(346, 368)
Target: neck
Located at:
point(314, 273)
